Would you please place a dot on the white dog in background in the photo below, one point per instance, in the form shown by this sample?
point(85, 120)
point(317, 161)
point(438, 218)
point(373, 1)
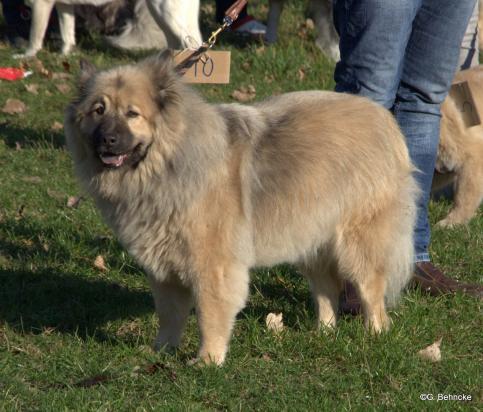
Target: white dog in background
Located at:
point(321, 11)
point(178, 19)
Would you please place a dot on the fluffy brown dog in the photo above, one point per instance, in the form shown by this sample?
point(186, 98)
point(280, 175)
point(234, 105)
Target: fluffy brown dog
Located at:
point(460, 155)
point(200, 193)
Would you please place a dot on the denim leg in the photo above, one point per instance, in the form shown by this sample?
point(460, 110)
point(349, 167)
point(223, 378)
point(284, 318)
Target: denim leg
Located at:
point(435, 41)
point(373, 37)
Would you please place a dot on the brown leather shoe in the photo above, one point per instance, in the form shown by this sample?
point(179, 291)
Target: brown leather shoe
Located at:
point(430, 279)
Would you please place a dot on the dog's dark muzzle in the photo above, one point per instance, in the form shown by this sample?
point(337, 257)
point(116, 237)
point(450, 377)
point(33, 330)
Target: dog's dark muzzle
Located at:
point(113, 142)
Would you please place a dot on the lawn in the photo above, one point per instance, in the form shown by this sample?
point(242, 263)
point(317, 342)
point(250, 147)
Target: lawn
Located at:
point(75, 335)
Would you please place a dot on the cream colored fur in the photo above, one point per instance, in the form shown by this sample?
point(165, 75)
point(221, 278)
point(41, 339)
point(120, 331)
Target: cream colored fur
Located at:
point(460, 155)
point(177, 18)
point(317, 179)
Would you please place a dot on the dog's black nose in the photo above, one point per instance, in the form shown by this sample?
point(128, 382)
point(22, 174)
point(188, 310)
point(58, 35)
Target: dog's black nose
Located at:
point(109, 140)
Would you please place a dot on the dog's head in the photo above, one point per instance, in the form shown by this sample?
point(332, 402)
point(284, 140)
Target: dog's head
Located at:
point(121, 112)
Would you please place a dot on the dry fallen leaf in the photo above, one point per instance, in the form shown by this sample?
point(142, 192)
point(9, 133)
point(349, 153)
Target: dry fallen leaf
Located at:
point(40, 68)
point(60, 76)
point(432, 352)
point(74, 201)
point(309, 24)
point(100, 264)
point(14, 106)
point(244, 94)
point(32, 88)
point(95, 380)
point(301, 74)
point(56, 126)
point(64, 88)
point(66, 66)
point(274, 322)
point(31, 179)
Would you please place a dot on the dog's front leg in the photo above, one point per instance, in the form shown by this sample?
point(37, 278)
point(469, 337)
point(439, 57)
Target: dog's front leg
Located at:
point(220, 295)
point(173, 303)
point(67, 26)
point(179, 21)
point(41, 10)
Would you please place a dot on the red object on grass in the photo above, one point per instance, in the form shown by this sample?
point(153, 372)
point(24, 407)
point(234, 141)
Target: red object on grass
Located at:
point(13, 73)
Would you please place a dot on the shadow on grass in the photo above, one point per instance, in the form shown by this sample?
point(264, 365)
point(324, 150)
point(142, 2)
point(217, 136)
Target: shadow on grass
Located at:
point(31, 301)
point(39, 293)
point(12, 134)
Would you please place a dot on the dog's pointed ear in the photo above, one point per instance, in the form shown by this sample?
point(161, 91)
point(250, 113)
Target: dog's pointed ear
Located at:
point(87, 70)
point(164, 61)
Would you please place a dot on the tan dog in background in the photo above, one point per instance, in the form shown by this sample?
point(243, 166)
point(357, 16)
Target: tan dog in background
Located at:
point(200, 193)
point(460, 155)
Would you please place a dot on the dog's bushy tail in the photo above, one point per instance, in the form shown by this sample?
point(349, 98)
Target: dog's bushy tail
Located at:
point(400, 260)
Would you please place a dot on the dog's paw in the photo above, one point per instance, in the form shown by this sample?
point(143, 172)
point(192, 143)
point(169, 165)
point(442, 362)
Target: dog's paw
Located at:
point(27, 55)
point(449, 222)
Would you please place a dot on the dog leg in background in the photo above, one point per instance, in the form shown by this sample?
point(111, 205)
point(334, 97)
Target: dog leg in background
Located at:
point(220, 295)
point(179, 21)
point(173, 303)
point(41, 10)
point(273, 20)
point(468, 193)
point(67, 26)
point(327, 37)
point(326, 286)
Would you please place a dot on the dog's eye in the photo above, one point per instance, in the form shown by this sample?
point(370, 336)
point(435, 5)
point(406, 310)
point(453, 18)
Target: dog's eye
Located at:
point(132, 114)
point(100, 109)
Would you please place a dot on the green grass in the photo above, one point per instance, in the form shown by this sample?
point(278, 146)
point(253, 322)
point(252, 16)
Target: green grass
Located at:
point(63, 321)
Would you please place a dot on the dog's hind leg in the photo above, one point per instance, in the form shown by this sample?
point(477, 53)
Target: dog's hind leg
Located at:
point(220, 295)
point(67, 26)
point(173, 303)
point(326, 286)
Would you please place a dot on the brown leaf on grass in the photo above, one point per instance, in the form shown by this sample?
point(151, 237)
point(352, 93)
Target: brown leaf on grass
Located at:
point(309, 24)
point(48, 330)
point(14, 106)
point(100, 264)
point(64, 88)
point(54, 194)
point(244, 94)
point(157, 367)
point(74, 201)
point(60, 76)
point(432, 352)
point(301, 74)
point(56, 126)
point(129, 328)
point(246, 66)
point(39, 67)
point(20, 212)
point(274, 322)
point(66, 66)
point(93, 381)
point(31, 179)
point(18, 146)
point(32, 88)
point(260, 50)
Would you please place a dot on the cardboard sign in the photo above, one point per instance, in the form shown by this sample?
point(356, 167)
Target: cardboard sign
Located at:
point(469, 108)
point(211, 67)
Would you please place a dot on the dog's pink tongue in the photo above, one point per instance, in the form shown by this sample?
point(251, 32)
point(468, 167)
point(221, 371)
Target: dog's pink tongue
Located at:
point(113, 160)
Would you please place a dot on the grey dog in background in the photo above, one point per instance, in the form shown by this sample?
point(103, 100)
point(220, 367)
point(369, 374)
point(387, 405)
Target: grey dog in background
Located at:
point(200, 193)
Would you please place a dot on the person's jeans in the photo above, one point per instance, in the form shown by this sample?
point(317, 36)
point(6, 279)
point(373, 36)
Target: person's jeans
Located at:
point(403, 54)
